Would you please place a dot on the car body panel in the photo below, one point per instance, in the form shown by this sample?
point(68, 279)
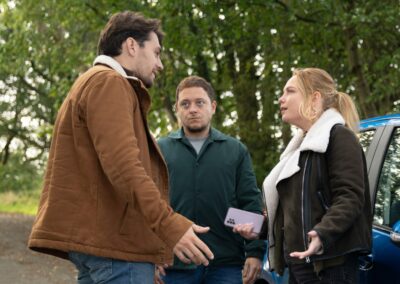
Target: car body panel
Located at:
point(385, 257)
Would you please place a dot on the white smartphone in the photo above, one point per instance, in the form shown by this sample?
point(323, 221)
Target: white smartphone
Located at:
point(237, 216)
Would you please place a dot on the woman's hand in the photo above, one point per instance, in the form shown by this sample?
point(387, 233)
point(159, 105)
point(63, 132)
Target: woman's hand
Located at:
point(314, 247)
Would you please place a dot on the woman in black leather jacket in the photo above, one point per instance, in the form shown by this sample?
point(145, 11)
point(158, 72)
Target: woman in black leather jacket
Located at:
point(317, 196)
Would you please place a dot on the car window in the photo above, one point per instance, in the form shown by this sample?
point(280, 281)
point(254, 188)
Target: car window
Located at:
point(387, 204)
point(366, 138)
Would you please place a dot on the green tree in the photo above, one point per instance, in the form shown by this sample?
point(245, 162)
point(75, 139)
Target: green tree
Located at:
point(245, 48)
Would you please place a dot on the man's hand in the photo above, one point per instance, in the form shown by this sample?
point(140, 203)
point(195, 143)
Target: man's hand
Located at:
point(246, 231)
point(191, 249)
point(251, 270)
point(314, 247)
point(159, 271)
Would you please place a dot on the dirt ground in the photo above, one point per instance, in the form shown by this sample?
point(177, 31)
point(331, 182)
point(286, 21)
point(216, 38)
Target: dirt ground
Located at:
point(19, 265)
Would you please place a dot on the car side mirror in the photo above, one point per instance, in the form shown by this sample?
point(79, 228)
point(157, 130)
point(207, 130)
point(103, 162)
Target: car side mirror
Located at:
point(395, 233)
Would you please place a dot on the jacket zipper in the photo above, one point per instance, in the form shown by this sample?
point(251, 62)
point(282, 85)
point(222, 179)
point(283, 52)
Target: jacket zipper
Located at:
point(305, 205)
point(323, 200)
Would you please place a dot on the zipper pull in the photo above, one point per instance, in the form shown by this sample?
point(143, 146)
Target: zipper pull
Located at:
point(308, 259)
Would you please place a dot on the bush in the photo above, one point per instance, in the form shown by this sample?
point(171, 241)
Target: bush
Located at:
point(19, 175)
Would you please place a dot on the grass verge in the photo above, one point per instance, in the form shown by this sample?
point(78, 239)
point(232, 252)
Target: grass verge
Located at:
point(25, 202)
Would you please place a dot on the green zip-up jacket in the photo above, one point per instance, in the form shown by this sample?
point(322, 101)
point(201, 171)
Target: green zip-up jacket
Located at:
point(203, 186)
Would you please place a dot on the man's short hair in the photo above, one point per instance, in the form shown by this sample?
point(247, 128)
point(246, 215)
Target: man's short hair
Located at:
point(195, 81)
point(123, 25)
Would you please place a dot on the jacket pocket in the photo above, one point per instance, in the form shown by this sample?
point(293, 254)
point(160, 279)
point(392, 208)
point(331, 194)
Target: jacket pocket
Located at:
point(135, 230)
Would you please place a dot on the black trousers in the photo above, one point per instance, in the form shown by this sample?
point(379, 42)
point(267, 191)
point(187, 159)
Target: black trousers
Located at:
point(346, 273)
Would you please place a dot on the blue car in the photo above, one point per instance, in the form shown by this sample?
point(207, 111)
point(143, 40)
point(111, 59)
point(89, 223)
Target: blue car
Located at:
point(380, 138)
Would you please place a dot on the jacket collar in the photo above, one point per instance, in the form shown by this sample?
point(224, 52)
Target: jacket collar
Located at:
point(114, 64)
point(317, 138)
point(136, 83)
point(215, 135)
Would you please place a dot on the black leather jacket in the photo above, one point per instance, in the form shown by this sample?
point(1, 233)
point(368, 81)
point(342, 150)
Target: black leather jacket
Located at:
point(330, 194)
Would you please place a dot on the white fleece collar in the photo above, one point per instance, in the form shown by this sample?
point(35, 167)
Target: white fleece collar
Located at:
point(316, 140)
point(114, 64)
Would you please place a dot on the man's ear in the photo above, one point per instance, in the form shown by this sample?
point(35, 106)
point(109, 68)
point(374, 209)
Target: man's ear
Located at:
point(131, 46)
point(214, 106)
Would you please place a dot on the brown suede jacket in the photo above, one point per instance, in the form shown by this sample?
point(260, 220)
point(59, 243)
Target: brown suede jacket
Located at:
point(106, 183)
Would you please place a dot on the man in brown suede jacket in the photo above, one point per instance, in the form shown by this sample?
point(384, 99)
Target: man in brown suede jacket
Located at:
point(104, 205)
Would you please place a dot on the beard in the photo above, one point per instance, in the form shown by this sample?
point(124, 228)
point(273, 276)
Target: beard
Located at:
point(146, 81)
point(196, 129)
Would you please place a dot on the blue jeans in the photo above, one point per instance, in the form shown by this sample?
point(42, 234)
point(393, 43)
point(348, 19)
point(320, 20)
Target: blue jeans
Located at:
point(93, 269)
point(229, 274)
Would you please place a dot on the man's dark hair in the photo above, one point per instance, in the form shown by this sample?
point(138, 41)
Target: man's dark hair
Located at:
point(195, 81)
point(123, 25)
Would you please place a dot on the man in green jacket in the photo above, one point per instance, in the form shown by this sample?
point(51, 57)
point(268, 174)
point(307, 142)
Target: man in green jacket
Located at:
point(210, 172)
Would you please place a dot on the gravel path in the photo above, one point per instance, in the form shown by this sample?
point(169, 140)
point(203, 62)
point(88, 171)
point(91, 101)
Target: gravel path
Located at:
point(19, 265)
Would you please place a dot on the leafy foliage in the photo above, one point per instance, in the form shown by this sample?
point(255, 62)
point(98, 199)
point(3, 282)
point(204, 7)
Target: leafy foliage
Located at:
point(245, 48)
point(19, 175)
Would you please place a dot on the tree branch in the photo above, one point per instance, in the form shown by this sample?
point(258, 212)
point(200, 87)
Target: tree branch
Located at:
point(40, 72)
point(97, 12)
point(5, 152)
point(355, 65)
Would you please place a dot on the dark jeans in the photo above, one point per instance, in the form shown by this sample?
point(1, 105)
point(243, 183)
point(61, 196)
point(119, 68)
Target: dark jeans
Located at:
point(347, 273)
point(229, 274)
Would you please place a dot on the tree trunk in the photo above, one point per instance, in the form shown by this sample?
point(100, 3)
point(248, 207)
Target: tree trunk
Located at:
point(355, 64)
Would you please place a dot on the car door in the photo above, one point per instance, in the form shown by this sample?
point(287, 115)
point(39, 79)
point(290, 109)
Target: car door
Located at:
point(383, 156)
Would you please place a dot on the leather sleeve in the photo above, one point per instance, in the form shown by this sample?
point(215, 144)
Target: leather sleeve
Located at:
point(344, 159)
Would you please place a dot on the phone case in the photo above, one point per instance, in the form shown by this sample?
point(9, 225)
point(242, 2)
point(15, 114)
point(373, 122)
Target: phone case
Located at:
point(237, 216)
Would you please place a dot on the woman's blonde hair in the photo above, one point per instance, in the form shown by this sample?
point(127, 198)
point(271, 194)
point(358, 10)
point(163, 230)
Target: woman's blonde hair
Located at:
point(313, 80)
